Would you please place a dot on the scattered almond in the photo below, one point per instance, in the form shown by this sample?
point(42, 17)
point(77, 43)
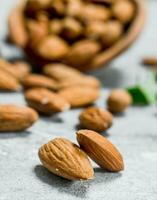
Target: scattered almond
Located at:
point(65, 159)
point(96, 119)
point(36, 80)
point(152, 61)
point(45, 101)
point(80, 96)
point(8, 82)
point(118, 101)
point(101, 150)
point(16, 118)
point(60, 72)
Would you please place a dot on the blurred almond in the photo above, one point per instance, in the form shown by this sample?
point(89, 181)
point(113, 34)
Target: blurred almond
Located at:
point(8, 82)
point(79, 96)
point(45, 101)
point(65, 159)
point(16, 118)
point(36, 80)
point(101, 150)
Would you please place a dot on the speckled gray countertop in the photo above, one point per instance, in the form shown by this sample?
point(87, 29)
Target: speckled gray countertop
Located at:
point(22, 177)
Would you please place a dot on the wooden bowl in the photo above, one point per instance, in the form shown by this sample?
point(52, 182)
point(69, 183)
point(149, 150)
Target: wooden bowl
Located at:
point(19, 36)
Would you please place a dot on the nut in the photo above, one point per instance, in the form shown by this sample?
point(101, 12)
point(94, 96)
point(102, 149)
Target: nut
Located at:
point(74, 8)
point(123, 11)
point(52, 48)
point(152, 61)
point(21, 68)
point(71, 28)
point(82, 53)
point(101, 150)
point(36, 80)
point(8, 82)
point(16, 118)
point(113, 32)
point(60, 72)
point(65, 159)
point(79, 96)
point(96, 119)
point(45, 101)
point(95, 12)
point(87, 81)
point(118, 101)
point(55, 26)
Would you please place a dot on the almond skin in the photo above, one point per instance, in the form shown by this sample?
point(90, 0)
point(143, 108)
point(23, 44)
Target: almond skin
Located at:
point(79, 96)
point(8, 82)
point(36, 80)
point(96, 119)
point(118, 101)
point(101, 150)
point(65, 159)
point(45, 101)
point(16, 118)
point(60, 72)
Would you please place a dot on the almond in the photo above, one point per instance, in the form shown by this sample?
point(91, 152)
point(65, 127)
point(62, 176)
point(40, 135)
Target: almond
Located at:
point(16, 118)
point(96, 119)
point(152, 61)
point(101, 150)
point(21, 68)
point(87, 81)
point(46, 101)
point(8, 82)
point(65, 159)
point(79, 96)
point(60, 71)
point(52, 48)
point(123, 10)
point(36, 80)
point(82, 52)
point(118, 101)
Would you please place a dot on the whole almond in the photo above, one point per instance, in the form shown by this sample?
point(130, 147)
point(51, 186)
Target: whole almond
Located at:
point(8, 82)
point(82, 52)
point(16, 118)
point(118, 101)
point(96, 119)
point(45, 101)
point(36, 80)
point(17, 31)
point(65, 159)
point(60, 72)
point(79, 96)
point(101, 150)
point(52, 48)
point(123, 10)
point(87, 81)
point(152, 61)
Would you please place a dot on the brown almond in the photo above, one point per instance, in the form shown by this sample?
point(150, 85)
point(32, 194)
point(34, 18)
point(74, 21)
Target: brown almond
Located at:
point(82, 52)
point(74, 8)
point(123, 10)
point(152, 61)
point(96, 119)
point(45, 101)
point(36, 80)
point(118, 101)
point(101, 150)
point(21, 68)
point(55, 26)
point(16, 118)
point(52, 48)
point(65, 159)
point(8, 82)
point(87, 81)
point(60, 72)
point(79, 96)
point(95, 12)
point(17, 31)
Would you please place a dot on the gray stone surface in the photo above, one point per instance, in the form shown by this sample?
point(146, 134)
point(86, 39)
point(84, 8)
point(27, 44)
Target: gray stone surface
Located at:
point(22, 177)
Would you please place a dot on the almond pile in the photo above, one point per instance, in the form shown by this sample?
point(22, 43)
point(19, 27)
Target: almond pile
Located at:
point(58, 89)
point(71, 32)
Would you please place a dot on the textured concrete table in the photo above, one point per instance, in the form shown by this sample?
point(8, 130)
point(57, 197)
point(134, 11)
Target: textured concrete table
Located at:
point(22, 177)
